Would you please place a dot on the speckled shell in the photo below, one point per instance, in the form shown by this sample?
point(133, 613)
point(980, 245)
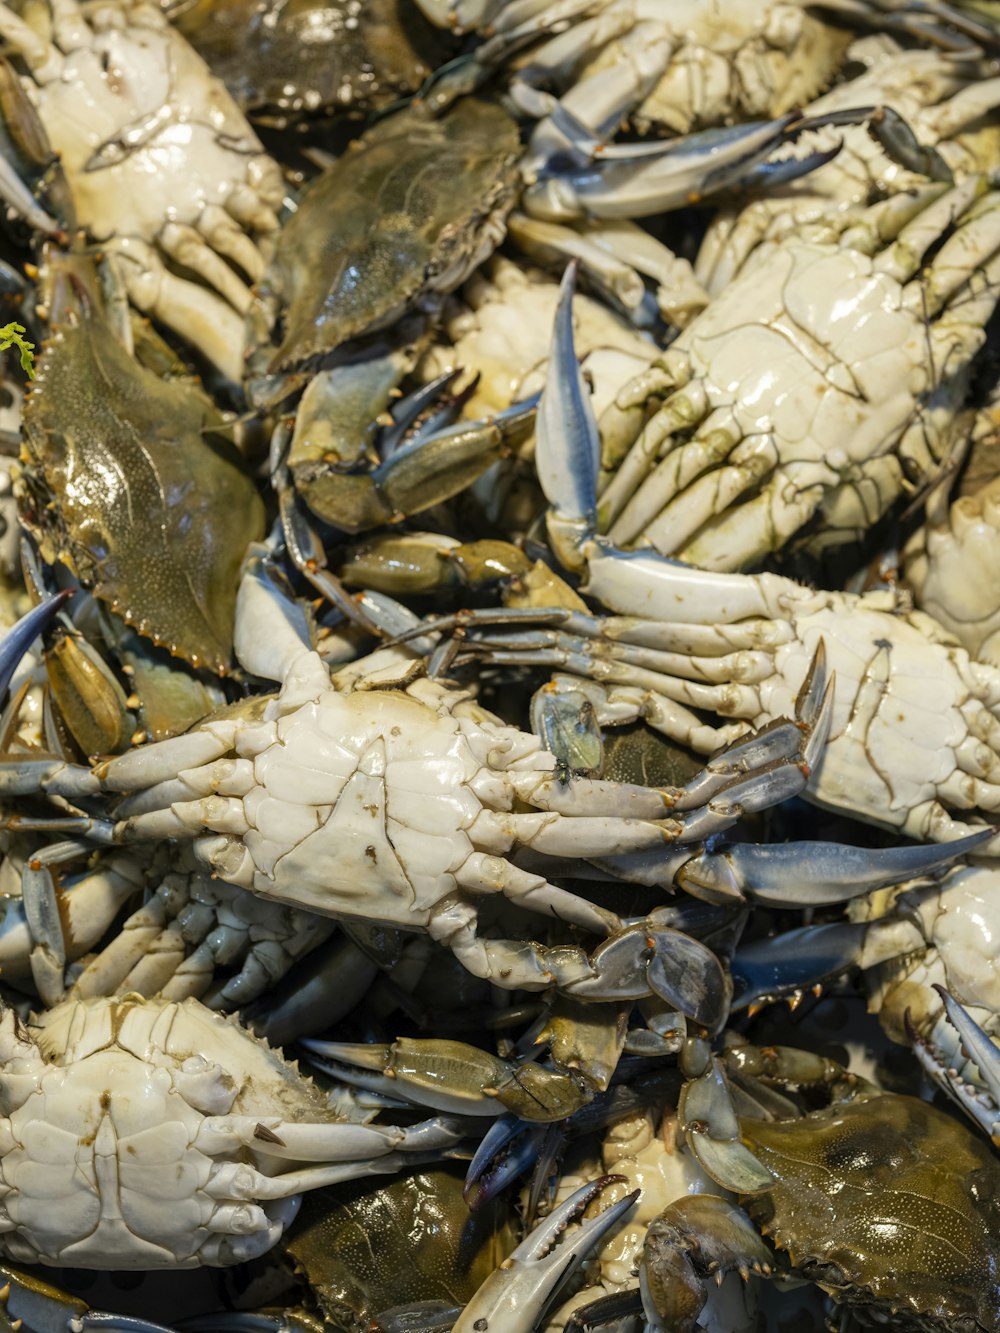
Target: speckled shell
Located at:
point(889, 1202)
point(403, 210)
point(441, 1252)
point(127, 485)
point(284, 58)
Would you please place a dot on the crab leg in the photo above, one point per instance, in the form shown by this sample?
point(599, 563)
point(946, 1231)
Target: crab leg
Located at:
point(43, 59)
point(667, 491)
point(507, 1150)
point(712, 1129)
point(337, 1141)
point(334, 415)
point(20, 200)
point(580, 123)
point(519, 21)
point(567, 465)
point(733, 774)
point(551, 242)
point(641, 960)
point(647, 668)
point(240, 1182)
point(693, 1239)
point(770, 969)
point(633, 583)
point(327, 984)
point(931, 20)
point(48, 1310)
point(55, 922)
point(24, 632)
point(194, 313)
point(455, 1078)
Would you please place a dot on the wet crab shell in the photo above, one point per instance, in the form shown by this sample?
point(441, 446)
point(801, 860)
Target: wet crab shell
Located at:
point(409, 210)
point(887, 1202)
point(441, 1251)
point(283, 60)
point(125, 481)
point(102, 1105)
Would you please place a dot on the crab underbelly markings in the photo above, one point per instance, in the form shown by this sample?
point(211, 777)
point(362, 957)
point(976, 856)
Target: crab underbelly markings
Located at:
point(829, 367)
point(892, 743)
point(375, 796)
point(346, 860)
point(99, 1150)
point(49, 1196)
point(80, 119)
point(432, 811)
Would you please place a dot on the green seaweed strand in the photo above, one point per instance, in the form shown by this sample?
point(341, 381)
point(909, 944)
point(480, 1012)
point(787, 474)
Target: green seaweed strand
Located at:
point(12, 335)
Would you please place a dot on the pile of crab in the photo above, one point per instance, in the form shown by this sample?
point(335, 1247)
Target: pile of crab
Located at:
point(500, 587)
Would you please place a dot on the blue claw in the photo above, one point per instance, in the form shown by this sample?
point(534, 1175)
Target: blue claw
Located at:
point(766, 175)
point(636, 180)
point(568, 463)
point(813, 874)
point(495, 1163)
point(639, 1091)
point(21, 636)
point(798, 959)
point(629, 180)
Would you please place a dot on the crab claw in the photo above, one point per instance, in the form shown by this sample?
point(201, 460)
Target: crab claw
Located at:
point(453, 1077)
point(712, 1129)
point(645, 959)
point(569, 451)
point(21, 636)
point(948, 27)
point(507, 1149)
point(516, 1295)
point(32, 1304)
point(631, 181)
point(812, 874)
point(691, 1240)
point(983, 1108)
point(768, 969)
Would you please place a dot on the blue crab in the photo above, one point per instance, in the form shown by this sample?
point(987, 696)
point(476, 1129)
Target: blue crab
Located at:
point(119, 1107)
point(913, 743)
point(885, 1202)
point(163, 168)
point(362, 841)
point(127, 482)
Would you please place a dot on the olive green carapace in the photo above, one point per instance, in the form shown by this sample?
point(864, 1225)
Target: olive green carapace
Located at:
point(439, 1250)
point(887, 1202)
point(408, 205)
point(125, 483)
point(283, 59)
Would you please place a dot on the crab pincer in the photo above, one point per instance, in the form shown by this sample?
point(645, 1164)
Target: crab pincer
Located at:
point(516, 1296)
